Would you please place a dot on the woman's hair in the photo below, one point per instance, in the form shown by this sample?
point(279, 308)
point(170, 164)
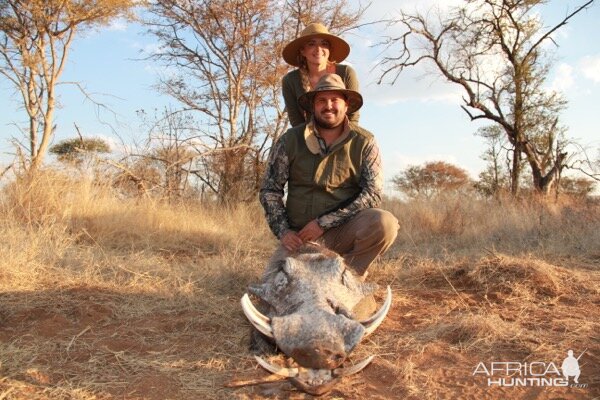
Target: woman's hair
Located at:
point(304, 78)
point(303, 67)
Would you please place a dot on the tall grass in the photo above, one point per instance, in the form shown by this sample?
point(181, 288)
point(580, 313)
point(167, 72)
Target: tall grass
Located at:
point(113, 292)
point(53, 221)
point(468, 226)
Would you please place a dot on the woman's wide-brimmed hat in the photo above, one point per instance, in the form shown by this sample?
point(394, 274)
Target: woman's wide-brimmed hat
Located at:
point(329, 83)
point(339, 47)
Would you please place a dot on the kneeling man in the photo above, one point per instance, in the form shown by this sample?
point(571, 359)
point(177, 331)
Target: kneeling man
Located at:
point(333, 172)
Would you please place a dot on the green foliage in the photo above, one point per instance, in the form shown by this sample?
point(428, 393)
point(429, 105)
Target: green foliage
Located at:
point(73, 150)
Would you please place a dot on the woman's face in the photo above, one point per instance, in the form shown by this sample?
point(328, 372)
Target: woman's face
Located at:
point(316, 51)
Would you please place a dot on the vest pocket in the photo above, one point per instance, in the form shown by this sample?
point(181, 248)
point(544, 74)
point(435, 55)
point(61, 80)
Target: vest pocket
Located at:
point(343, 173)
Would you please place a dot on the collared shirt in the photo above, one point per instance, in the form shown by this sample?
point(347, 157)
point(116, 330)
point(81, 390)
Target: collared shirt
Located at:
point(278, 172)
point(316, 144)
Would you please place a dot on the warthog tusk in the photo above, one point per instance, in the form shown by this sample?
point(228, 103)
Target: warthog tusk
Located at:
point(339, 372)
point(376, 319)
point(287, 372)
point(258, 314)
point(256, 318)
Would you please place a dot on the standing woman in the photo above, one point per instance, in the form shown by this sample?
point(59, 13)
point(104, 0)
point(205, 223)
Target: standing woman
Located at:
point(315, 52)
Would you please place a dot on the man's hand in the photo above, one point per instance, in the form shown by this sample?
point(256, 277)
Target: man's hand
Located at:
point(311, 231)
point(291, 241)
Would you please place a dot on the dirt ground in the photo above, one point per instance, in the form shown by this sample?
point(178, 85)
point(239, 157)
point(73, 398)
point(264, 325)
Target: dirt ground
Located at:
point(87, 343)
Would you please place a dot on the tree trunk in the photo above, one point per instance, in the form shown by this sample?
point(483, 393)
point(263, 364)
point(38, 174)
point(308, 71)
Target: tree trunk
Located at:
point(543, 183)
point(515, 173)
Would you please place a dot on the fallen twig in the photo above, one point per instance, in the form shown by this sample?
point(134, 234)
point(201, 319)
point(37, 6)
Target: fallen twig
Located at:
point(249, 382)
point(87, 328)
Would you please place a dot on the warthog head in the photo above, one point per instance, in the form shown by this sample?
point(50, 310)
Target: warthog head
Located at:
point(310, 297)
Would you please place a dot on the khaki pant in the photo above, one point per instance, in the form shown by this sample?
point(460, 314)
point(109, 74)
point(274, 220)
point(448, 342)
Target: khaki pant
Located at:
point(360, 240)
point(370, 233)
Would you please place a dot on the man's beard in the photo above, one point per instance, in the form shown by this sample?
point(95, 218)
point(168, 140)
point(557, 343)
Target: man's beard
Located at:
point(321, 123)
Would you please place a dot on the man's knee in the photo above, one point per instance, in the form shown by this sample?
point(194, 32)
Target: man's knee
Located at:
point(385, 224)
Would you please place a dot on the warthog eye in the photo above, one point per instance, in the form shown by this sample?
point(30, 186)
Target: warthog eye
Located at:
point(333, 306)
point(337, 358)
point(338, 310)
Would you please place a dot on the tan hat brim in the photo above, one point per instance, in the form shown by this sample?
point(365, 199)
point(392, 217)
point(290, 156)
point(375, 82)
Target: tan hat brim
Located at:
point(355, 100)
point(338, 51)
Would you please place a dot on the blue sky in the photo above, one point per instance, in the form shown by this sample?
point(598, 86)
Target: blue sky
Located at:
point(417, 119)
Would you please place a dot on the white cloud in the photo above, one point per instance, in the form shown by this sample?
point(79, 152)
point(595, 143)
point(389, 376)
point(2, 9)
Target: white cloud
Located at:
point(119, 24)
point(408, 88)
point(590, 67)
point(115, 25)
point(390, 9)
point(563, 80)
point(114, 143)
point(148, 49)
point(421, 83)
point(399, 162)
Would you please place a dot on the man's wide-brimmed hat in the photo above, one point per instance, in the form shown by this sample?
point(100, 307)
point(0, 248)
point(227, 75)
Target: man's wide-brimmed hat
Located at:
point(338, 51)
point(331, 83)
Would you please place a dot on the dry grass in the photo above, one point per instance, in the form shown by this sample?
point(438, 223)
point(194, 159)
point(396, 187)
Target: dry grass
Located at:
point(468, 226)
point(103, 297)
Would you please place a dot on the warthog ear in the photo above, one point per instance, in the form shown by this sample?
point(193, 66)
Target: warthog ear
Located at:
point(289, 267)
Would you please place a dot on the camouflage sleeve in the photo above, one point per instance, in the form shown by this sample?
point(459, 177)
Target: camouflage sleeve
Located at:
point(271, 191)
point(371, 183)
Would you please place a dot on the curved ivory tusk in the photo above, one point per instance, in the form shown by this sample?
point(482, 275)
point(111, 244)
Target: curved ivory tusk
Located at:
point(258, 320)
point(376, 319)
point(287, 372)
point(338, 372)
point(260, 315)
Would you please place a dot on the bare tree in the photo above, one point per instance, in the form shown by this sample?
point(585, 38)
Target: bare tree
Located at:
point(586, 165)
point(224, 65)
point(169, 149)
point(35, 38)
point(338, 15)
point(493, 49)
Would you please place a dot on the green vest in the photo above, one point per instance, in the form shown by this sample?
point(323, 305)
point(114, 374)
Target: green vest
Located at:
point(319, 184)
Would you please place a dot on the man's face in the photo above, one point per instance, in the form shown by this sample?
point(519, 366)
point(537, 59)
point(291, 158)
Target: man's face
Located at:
point(330, 109)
